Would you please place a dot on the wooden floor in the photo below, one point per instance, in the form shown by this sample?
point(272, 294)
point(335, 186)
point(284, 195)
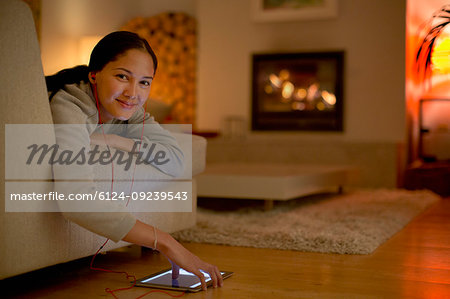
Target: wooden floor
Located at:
point(415, 263)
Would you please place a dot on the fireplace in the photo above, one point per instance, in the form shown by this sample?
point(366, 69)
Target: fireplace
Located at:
point(298, 91)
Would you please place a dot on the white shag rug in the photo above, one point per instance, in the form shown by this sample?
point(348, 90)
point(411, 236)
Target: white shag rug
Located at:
point(352, 223)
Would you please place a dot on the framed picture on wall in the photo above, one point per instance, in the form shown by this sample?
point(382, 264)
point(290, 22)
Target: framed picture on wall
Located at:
point(292, 10)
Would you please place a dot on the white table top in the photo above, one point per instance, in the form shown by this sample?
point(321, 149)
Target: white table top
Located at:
point(271, 181)
point(272, 169)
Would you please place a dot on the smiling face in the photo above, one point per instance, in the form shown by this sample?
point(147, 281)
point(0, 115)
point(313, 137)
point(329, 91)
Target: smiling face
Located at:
point(123, 85)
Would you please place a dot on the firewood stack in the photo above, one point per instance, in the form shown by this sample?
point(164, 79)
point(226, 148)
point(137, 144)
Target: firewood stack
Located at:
point(173, 38)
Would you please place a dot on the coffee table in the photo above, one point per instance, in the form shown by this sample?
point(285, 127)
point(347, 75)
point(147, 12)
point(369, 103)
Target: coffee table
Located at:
point(269, 182)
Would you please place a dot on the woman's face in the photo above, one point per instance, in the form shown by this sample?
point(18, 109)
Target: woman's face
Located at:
point(123, 85)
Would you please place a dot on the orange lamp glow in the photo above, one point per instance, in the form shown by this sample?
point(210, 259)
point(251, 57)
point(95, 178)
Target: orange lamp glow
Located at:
point(440, 57)
point(85, 46)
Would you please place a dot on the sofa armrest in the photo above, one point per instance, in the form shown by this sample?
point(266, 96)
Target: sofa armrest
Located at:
point(198, 154)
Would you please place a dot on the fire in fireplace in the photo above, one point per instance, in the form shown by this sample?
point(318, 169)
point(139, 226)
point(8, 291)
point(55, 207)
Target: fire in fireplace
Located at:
point(298, 91)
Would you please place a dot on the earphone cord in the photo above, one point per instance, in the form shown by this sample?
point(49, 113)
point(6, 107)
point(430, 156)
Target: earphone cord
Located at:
point(128, 276)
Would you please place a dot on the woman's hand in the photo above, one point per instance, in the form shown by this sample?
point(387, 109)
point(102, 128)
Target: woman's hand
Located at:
point(116, 141)
point(180, 256)
point(99, 139)
point(144, 235)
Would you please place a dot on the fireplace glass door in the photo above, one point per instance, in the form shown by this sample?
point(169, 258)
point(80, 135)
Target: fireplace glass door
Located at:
point(298, 91)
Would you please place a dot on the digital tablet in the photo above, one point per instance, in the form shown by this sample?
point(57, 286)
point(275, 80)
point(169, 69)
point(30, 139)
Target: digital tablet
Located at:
point(186, 281)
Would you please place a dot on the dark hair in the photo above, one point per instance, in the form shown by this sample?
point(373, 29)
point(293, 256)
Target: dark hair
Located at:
point(108, 49)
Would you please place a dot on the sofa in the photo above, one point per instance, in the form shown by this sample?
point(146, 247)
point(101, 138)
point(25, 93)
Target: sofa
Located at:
point(33, 240)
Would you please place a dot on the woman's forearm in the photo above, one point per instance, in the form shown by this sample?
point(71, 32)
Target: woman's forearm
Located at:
point(166, 158)
point(144, 235)
point(116, 141)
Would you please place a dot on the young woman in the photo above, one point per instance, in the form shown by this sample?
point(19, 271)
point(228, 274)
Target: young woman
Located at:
point(112, 90)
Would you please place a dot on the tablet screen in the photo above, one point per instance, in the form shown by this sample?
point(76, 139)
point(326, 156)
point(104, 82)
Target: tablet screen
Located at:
point(185, 280)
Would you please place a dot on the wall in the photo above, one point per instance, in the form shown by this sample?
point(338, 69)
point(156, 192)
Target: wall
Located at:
point(64, 22)
point(372, 32)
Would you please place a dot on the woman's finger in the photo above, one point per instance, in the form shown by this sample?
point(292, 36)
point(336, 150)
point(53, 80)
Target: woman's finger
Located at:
point(200, 275)
point(175, 270)
point(219, 276)
point(213, 275)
